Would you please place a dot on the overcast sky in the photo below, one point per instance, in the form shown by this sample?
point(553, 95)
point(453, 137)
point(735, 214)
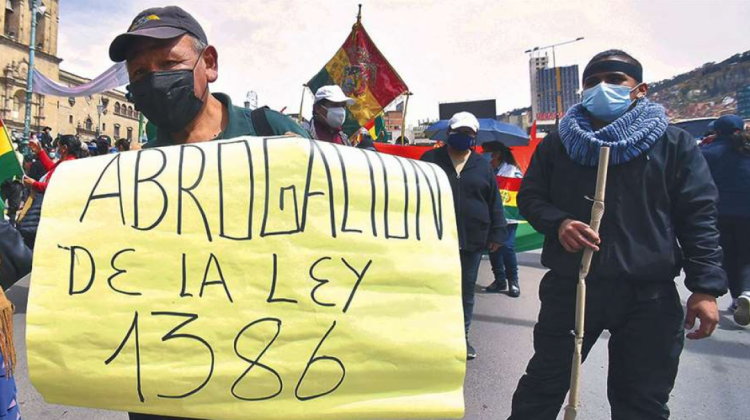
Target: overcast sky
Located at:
point(444, 50)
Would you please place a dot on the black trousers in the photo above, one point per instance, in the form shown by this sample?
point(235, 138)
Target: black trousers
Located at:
point(735, 241)
point(646, 325)
point(470, 261)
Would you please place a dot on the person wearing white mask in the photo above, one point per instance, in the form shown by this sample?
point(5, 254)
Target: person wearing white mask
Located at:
point(329, 114)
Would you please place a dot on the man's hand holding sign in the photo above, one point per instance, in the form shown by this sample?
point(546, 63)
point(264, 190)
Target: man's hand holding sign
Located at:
point(268, 276)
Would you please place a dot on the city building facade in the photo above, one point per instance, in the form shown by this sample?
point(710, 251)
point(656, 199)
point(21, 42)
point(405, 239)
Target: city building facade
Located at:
point(546, 98)
point(116, 117)
point(519, 117)
point(536, 63)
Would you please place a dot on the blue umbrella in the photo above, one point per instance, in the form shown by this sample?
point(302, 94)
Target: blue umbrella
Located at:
point(489, 130)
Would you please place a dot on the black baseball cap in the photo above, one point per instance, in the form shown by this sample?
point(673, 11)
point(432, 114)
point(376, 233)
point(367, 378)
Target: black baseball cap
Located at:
point(728, 124)
point(158, 23)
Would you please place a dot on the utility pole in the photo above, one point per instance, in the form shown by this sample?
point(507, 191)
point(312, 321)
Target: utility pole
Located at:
point(558, 75)
point(29, 76)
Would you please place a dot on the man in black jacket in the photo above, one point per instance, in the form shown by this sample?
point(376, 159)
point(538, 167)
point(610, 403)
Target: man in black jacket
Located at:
point(46, 139)
point(659, 192)
point(479, 208)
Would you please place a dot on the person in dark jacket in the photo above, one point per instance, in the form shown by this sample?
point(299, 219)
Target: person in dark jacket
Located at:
point(15, 263)
point(365, 141)
point(45, 138)
point(728, 157)
point(659, 192)
point(12, 191)
point(479, 208)
point(33, 168)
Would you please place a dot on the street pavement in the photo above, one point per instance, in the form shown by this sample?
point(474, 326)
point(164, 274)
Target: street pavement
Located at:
point(712, 383)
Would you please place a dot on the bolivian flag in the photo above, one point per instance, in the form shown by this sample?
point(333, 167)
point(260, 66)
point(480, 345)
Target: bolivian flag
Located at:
point(527, 238)
point(376, 127)
point(363, 74)
point(9, 166)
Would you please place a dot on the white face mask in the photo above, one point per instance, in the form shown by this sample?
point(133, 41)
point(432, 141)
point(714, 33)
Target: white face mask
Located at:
point(335, 117)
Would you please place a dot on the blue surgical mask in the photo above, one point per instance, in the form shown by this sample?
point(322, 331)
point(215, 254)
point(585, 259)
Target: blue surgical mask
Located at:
point(460, 141)
point(607, 102)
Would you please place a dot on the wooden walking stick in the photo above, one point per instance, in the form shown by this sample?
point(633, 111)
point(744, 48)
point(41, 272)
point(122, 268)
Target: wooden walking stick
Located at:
point(597, 212)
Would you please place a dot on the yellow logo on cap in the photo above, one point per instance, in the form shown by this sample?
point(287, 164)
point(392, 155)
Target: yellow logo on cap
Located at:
point(143, 20)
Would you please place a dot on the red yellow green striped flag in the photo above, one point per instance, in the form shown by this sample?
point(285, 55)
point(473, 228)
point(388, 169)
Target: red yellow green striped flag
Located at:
point(376, 127)
point(527, 238)
point(9, 165)
point(362, 72)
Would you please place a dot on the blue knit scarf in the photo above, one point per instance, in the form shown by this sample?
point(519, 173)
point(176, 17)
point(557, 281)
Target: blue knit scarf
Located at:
point(628, 136)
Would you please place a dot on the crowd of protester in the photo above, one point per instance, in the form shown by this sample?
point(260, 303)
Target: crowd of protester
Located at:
point(663, 190)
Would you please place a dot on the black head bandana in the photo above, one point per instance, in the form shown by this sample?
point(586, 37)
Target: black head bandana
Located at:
point(611, 66)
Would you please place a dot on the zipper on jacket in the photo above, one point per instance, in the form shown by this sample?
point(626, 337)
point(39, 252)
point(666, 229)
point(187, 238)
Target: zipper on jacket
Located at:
point(460, 212)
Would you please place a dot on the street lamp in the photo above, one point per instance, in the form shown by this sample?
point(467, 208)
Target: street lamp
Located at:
point(558, 84)
point(99, 110)
point(29, 77)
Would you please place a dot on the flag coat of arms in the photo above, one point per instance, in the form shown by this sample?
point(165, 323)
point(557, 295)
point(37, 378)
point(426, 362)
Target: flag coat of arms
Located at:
point(363, 73)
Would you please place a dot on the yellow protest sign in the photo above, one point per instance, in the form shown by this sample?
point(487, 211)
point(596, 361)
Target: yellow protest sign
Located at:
point(253, 278)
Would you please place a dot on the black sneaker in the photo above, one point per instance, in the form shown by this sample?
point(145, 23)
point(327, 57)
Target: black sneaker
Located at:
point(471, 354)
point(496, 287)
point(515, 289)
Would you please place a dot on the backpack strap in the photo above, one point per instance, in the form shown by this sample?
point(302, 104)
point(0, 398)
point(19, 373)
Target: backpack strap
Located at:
point(260, 122)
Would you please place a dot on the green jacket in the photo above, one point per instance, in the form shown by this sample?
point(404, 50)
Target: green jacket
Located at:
point(239, 124)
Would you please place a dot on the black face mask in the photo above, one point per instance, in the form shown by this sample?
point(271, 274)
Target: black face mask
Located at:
point(167, 98)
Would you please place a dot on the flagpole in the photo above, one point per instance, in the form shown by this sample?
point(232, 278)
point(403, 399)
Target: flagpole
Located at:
point(403, 123)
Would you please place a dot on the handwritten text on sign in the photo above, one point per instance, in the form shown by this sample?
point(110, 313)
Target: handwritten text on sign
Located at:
point(265, 278)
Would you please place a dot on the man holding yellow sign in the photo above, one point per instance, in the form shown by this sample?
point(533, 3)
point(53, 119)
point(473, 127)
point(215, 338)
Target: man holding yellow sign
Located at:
point(170, 65)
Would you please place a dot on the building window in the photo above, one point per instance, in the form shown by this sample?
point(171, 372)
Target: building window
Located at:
point(117, 108)
point(70, 119)
point(130, 133)
point(89, 124)
point(12, 18)
point(19, 101)
point(104, 127)
point(117, 131)
point(130, 111)
point(41, 29)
